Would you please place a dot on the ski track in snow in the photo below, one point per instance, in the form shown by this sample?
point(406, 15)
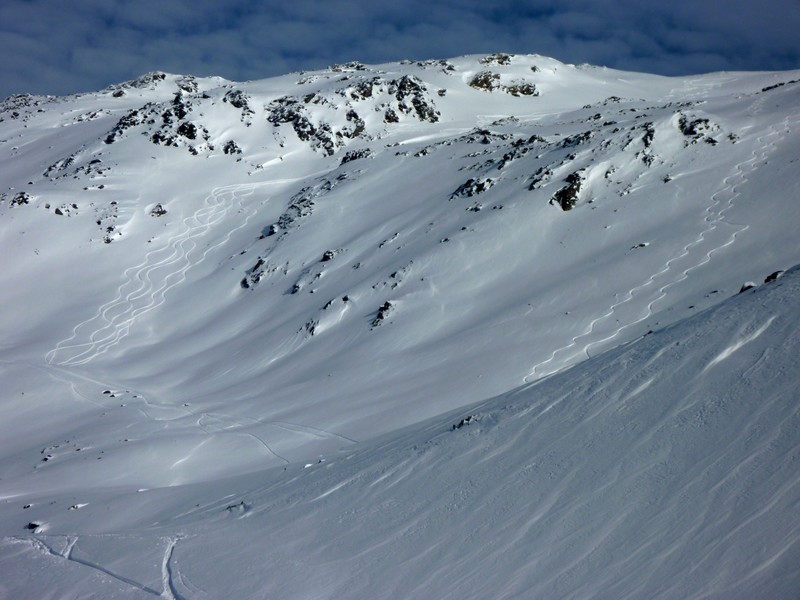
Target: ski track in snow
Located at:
point(67, 555)
point(237, 423)
point(147, 283)
point(174, 585)
point(722, 201)
point(168, 572)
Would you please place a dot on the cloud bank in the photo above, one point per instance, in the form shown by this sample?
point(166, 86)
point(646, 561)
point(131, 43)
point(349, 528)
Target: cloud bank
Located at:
point(56, 47)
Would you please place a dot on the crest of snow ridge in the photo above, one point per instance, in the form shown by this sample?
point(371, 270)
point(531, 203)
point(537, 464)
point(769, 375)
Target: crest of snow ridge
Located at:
point(350, 103)
point(325, 119)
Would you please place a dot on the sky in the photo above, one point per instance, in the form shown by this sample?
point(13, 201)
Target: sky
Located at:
point(57, 47)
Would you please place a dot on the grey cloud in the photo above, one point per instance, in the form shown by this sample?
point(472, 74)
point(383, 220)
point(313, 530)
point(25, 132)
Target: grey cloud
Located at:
point(56, 47)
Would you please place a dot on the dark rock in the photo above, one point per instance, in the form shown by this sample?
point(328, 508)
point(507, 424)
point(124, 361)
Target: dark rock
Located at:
point(521, 89)
point(188, 130)
point(19, 199)
point(462, 422)
point(352, 155)
point(498, 58)
point(649, 135)
point(694, 128)
point(383, 312)
point(359, 125)
point(409, 89)
point(158, 211)
point(148, 80)
point(290, 110)
point(472, 187)
point(542, 175)
point(345, 67)
point(364, 89)
point(777, 85)
point(567, 197)
point(239, 507)
point(188, 84)
point(577, 139)
point(773, 276)
point(231, 147)
point(237, 99)
point(131, 119)
point(485, 80)
point(390, 116)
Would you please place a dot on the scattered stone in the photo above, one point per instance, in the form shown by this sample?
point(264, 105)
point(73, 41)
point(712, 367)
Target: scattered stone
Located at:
point(158, 210)
point(472, 187)
point(498, 58)
point(577, 139)
point(463, 422)
point(383, 312)
point(747, 286)
point(238, 508)
point(777, 85)
point(352, 155)
point(542, 175)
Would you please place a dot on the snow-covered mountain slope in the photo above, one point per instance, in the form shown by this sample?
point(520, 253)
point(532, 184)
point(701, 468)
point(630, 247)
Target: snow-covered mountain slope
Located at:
point(205, 279)
point(667, 468)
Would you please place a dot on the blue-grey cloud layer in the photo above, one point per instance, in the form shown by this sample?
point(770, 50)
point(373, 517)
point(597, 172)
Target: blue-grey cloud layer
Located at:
point(57, 47)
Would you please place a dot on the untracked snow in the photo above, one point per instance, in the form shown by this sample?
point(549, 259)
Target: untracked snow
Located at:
point(462, 328)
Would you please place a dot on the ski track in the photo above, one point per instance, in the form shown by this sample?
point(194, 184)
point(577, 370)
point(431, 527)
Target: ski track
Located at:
point(237, 423)
point(66, 554)
point(722, 201)
point(171, 579)
point(150, 280)
point(168, 572)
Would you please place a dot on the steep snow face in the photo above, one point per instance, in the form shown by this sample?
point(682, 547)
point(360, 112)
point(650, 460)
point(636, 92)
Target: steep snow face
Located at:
point(331, 255)
point(205, 279)
point(664, 468)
